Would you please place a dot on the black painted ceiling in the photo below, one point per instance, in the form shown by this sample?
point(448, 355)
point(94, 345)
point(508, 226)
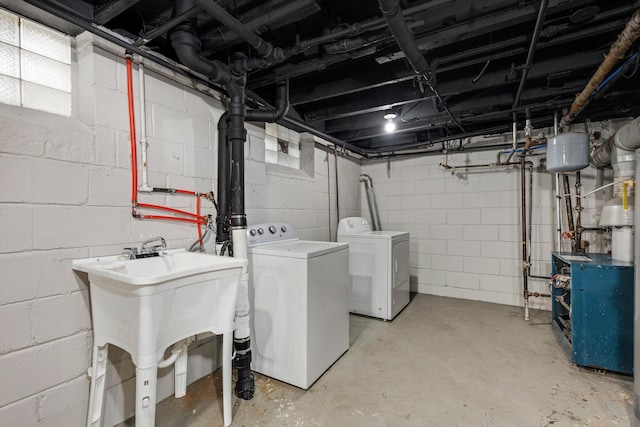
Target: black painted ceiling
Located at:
point(476, 51)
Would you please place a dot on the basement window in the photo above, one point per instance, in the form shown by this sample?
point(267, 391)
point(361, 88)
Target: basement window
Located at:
point(282, 146)
point(35, 66)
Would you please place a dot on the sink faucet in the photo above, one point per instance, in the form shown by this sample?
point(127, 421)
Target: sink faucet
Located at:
point(161, 244)
point(131, 253)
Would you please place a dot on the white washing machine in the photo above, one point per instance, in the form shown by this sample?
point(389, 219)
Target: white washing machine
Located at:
point(298, 292)
point(378, 268)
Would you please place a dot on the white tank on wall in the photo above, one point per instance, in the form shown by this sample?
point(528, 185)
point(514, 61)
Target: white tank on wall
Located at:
point(568, 152)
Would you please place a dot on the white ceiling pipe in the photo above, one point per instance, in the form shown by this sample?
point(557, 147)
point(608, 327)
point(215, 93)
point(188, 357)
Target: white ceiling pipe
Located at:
point(626, 138)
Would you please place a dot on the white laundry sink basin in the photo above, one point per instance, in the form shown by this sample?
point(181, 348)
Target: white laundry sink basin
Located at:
point(145, 305)
point(170, 265)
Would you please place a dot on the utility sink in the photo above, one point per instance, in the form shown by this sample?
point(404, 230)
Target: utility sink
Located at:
point(147, 304)
point(169, 265)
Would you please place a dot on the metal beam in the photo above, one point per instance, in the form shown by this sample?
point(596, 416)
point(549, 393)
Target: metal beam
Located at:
point(394, 72)
point(106, 13)
point(387, 97)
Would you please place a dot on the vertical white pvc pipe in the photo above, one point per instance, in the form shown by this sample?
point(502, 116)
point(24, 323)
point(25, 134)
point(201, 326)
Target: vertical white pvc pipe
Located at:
point(143, 131)
point(242, 318)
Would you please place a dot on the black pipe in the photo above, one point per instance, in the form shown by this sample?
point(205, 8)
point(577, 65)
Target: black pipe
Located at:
point(173, 22)
point(567, 201)
point(273, 115)
point(187, 46)
point(245, 384)
point(395, 19)
point(88, 26)
point(268, 15)
point(542, 11)
point(237, 137)
point(222, 224)
point(523, 208)
point(579, 230)
point(404, 38)
point(265, 49)
point(304, 127)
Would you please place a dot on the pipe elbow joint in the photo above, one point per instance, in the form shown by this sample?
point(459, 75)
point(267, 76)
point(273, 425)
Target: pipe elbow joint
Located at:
point(366, 179)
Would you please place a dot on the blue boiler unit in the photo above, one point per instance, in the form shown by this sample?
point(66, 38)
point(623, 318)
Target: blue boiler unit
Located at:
point(592, 309)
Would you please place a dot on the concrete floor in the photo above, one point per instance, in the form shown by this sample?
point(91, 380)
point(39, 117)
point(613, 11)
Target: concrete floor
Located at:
point(441, 362)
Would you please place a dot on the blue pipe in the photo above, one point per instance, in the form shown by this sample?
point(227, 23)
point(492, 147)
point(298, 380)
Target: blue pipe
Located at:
point(615, 73)
point(519, 150)
point(608, 79)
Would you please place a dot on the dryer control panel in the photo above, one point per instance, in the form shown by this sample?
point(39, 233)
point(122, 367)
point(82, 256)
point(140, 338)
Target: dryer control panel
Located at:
point(353, 225)
point(268, 233)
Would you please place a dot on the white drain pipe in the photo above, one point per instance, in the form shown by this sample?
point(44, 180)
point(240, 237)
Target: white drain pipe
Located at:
point(618, 151)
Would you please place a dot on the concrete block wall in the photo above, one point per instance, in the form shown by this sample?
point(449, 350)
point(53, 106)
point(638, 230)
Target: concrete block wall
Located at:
point(464, 224)
point(65, 194)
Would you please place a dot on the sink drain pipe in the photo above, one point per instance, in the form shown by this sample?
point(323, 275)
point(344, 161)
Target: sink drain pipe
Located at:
point(232, 137)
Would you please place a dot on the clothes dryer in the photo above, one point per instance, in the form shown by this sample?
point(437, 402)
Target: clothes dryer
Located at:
point(378, 268)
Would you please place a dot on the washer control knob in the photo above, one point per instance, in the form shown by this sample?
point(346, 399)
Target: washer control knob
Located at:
point(252, 232)
point(272, 229)
point(260, 231)
point(284, 229)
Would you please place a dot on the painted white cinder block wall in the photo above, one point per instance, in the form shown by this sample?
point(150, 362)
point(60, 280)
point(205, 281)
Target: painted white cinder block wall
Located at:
point(65, 194)
point(464, 224)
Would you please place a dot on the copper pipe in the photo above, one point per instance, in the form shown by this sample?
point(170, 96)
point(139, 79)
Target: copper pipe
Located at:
point(626, 38)
point(538, 294)
point(578, 234)
point(569, 208)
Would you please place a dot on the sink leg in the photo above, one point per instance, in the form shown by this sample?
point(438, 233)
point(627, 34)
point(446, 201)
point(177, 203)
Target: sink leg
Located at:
point(180, 368)
point(226, 376)
point(96, 388)
point(146, 396)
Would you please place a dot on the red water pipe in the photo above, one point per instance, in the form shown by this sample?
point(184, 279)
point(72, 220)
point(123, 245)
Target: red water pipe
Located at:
point(171, 218)
point(198, 214)
point(188, 192)
point(195, 218)
point(132, 138)
point(164, 208)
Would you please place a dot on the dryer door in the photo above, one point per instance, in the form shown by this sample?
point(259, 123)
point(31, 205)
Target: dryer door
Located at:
point(400, 263)
point(400, 291)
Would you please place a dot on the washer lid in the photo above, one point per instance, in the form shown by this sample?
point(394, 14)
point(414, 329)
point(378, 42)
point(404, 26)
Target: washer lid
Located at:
point(298, 249)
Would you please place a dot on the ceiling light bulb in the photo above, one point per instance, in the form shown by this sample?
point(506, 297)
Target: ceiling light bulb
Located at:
point(389, 126)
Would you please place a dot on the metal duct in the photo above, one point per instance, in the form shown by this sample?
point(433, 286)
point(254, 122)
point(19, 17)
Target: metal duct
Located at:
point(371, 200)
